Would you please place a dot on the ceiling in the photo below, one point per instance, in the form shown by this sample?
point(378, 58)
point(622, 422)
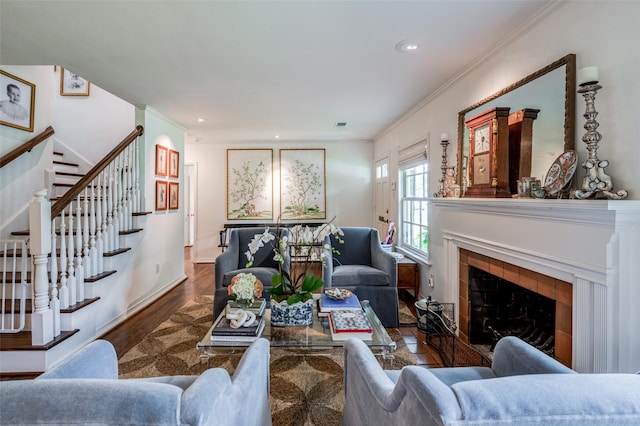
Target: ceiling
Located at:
point(257, 69)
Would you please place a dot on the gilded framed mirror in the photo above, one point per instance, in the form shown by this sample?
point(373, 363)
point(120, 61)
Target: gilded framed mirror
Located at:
point(550, 90)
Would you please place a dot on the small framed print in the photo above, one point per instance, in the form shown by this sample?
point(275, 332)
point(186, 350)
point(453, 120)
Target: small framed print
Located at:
point(161, 160)
point(17, 102)
point(174, 163)
point(174, 195)
point(161, 195)
point(71, 84)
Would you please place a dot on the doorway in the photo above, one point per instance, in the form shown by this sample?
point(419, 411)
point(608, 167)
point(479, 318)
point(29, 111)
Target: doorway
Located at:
point(190, 202)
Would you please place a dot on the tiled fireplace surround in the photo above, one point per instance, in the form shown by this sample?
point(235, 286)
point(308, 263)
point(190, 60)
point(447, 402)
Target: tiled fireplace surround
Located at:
point(581, 253)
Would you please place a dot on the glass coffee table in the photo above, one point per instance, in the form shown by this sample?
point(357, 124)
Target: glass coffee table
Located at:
point(316, 336)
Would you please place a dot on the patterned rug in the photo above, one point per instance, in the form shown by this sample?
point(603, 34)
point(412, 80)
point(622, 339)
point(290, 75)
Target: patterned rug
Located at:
point(306, 388)
point(406, 317)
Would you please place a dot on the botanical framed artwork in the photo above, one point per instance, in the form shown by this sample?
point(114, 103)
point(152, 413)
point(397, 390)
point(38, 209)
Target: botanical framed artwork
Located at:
point(174, 163)
point(174, 195)
point(17, 102)
point(250, 184)
point(71, 84)
point(161, 160)
point(161, 195)
point(303, 184)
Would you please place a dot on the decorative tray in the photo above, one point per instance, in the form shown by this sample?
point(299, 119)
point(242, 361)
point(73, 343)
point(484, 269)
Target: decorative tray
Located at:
point(338, 293)
point(561, 172)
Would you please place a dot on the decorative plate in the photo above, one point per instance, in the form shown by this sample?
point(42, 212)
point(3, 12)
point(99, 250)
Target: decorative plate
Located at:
point(338, 293)
point(561, 172)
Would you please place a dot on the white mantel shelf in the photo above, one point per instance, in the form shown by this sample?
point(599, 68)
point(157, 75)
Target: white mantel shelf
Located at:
point(578, 211)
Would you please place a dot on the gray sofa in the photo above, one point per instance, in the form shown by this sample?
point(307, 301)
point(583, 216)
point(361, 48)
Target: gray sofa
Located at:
point(523, 387)
point(365, 268)
point(85, 389)
point(233, 262)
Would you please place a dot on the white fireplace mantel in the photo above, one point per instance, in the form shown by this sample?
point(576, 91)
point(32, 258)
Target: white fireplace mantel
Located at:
point(594, 244)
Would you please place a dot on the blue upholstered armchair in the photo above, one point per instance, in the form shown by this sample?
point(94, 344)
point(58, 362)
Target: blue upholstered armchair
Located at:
point(365, 268)
point(523, 387)
point(85, 389)
point(234, 260)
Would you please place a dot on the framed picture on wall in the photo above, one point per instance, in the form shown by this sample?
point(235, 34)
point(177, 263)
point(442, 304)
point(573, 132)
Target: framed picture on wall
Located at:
point(161, 160)
point(250, 184)
point(174, 163)
point(174, 195)
point(71, 84)
point(17, 102)
point(303, 184)
point(161, 195)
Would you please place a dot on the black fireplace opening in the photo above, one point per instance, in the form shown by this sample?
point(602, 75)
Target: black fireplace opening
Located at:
point(500, 308)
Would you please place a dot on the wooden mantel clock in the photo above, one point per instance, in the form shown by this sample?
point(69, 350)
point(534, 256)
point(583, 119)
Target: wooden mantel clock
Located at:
point(489, 154)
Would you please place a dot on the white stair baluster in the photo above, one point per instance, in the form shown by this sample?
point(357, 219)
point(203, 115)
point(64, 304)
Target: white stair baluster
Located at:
point(54, 302)
point(136, 178)
point(122, 225)
point(71, 282)
point(111, 238)
point(116, 207)
point(86, 261)
point(64, 290)
point(129, 186)
point(105, 229)
point(99, 243)
point(80, 274)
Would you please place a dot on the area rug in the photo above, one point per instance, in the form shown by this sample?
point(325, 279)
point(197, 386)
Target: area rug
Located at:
point(406, 317)
point(306, 388)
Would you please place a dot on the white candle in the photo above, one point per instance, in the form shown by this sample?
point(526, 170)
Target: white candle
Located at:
point(444, 137)
point(587, 75)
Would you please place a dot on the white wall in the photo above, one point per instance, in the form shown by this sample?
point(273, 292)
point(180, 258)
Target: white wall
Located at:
point(602, 34)
point(349, 189)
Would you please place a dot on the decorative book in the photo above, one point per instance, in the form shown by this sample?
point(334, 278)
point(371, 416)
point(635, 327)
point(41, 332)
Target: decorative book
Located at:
point(328, 304)
point(223, 327)
point(346, 324)
point(239, 337)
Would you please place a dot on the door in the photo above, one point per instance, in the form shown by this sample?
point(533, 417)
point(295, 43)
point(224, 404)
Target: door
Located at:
point(382, 196)
point(190, 175)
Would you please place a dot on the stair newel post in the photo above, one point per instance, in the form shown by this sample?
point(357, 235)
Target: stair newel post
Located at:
point(99, 243)
point(109, 193)
point(40, 246)
point(116, 207)
point(64, 290)
point(79, 266)
point(105, 229)
point(53, 272)
point(93, 250)
point(71, 282)
point(86, 261)
point(130, 205)
point(136, 177)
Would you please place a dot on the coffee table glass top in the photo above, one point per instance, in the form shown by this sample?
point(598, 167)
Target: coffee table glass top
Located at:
point(315, 336)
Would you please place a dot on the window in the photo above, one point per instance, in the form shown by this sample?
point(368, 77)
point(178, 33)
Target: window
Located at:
point(414, 224)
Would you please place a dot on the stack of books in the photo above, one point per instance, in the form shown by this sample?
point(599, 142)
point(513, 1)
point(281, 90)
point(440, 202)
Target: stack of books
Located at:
point(257, 307)
point(223, 332)
point(348, 323)
point(327, 304)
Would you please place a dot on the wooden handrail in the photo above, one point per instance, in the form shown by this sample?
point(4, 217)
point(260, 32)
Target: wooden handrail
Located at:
point(76, 189)
point(25, 147)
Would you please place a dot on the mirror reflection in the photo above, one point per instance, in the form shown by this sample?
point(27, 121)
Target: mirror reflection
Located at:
point(551, 91)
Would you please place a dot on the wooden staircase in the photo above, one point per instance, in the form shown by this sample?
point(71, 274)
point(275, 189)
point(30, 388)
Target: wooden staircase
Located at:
point(90, 235)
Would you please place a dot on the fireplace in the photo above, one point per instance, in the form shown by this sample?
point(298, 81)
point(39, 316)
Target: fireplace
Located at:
point(497, 298)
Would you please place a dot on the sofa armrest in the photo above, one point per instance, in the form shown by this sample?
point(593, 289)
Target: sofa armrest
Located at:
point(227, 261)
point(512, 357)
point(327, 262)
point(97, 360)
point(383, 260)
point(239, 400)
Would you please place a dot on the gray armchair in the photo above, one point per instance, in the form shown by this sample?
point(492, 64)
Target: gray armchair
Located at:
point(523, 387)
point(85, 389)
point(234, 260)
point(365, 268)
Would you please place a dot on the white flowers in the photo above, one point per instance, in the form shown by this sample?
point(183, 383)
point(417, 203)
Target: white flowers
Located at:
point(244, 286)
point(259, 241)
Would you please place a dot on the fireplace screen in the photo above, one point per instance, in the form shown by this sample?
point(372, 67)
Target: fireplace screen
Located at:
point(500, 308)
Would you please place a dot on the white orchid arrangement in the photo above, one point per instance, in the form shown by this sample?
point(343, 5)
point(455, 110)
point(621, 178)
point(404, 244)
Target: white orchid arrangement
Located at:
point(305, 240)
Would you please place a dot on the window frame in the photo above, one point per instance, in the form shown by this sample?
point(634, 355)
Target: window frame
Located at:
point(414, 208)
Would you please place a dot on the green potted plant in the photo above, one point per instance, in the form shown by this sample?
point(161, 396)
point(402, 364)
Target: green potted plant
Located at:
point(292, 296)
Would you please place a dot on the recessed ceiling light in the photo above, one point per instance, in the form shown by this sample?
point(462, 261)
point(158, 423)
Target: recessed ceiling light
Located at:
point(277, 136)
point(409, 45)
point(201, 120)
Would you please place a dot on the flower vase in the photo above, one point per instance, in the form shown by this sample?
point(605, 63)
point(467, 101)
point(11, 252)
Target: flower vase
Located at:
point(283, 314)
point(244, 303)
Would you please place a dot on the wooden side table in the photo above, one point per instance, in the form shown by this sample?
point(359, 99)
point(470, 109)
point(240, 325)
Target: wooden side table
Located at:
point(408, 276)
